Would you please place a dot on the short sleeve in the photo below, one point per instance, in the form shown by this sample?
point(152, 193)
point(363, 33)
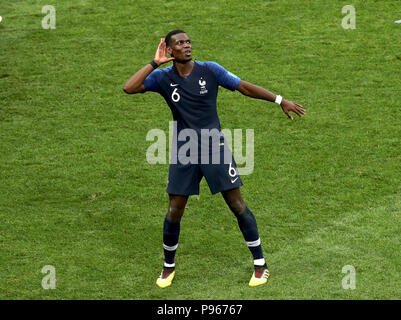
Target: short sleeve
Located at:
point(224, 78)
point(152, 81)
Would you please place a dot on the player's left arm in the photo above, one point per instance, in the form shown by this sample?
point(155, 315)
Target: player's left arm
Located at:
point(254, 91)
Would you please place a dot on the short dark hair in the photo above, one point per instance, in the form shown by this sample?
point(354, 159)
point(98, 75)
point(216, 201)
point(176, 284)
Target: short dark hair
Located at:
point(170, 34)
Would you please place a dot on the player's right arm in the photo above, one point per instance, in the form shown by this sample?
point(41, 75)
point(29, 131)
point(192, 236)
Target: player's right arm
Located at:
point(135, 83)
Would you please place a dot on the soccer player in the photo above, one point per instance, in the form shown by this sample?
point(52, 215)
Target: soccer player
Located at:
point(190, 89)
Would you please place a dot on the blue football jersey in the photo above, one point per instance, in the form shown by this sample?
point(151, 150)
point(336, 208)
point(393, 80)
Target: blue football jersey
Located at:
point(192, 99)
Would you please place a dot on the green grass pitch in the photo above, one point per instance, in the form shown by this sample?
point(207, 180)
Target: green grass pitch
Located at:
point(77, 192)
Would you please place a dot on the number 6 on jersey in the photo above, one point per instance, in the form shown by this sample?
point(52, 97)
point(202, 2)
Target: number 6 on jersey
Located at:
point(175, 96)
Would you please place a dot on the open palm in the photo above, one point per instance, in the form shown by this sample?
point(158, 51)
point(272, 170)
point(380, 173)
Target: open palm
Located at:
point(161, 53)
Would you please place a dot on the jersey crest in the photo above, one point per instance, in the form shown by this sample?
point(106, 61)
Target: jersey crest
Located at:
point(202, 84)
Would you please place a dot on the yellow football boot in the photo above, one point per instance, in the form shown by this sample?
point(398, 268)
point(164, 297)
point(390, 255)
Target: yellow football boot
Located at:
point(260, 276)
point(166, 277)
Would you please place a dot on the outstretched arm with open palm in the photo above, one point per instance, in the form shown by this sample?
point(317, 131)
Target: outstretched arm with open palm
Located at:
point(257, 92)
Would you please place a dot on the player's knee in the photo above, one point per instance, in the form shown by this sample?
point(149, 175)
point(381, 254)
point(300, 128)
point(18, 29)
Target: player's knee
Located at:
point(175, 210)
point(237, 206)
point(175, 213)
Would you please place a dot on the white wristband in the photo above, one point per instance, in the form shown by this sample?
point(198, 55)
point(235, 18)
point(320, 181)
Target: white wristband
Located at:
point(278, 99)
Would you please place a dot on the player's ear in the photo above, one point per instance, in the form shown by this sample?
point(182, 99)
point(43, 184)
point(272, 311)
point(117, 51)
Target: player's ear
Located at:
point(169, 51)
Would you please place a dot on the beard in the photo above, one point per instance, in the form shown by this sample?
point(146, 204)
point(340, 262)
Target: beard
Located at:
point(183, 61)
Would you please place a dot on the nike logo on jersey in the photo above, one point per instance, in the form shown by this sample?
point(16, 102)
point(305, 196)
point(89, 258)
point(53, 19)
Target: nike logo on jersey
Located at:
point(174, 84)
point(232, 181)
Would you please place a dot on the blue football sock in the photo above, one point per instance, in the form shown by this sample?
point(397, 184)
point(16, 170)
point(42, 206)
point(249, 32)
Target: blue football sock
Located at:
point(249, 229)
point(171, 233)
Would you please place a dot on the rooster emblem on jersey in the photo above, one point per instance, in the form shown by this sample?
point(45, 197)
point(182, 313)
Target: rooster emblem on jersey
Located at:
point(202, 84)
